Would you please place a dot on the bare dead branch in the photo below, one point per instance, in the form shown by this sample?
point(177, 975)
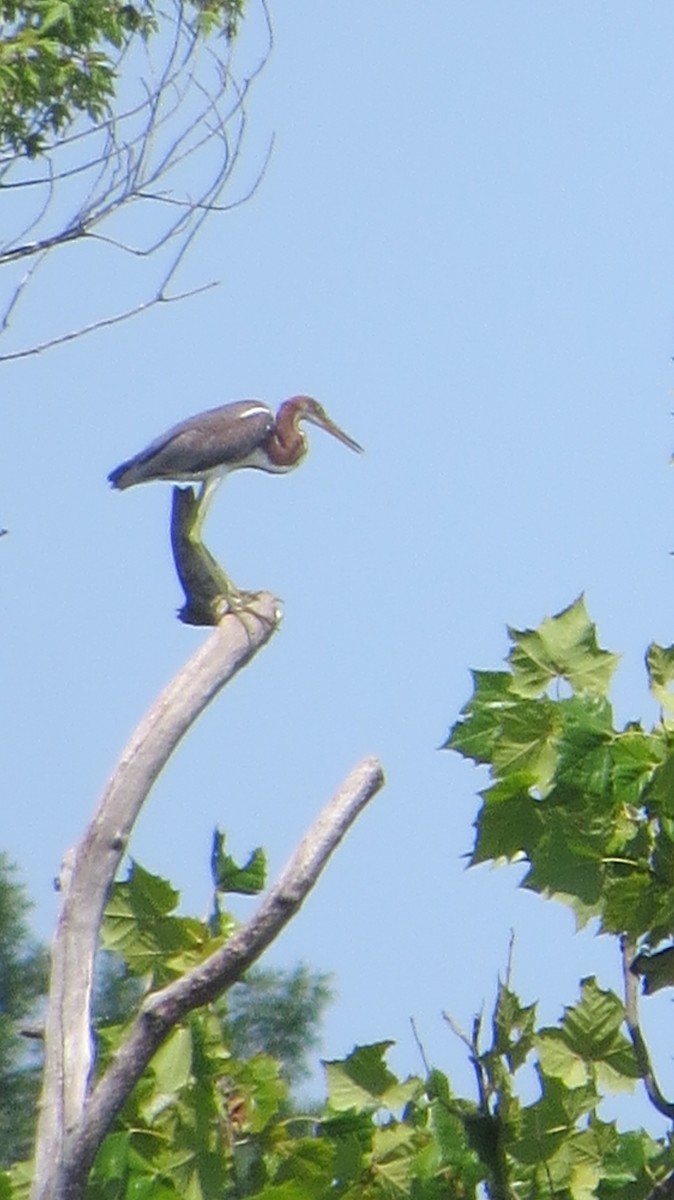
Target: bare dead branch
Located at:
point(646, 1071)
point(89, 869)
point(162, 1010)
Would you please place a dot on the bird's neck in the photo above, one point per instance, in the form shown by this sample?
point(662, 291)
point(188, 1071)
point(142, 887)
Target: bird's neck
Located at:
point(286, 445)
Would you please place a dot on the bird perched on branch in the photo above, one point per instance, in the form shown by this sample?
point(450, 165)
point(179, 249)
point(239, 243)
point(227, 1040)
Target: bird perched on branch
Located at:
point(205, 448)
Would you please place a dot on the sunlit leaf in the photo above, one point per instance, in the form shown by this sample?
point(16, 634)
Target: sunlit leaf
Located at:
point(228, 876)
point(563, 647)
point(660, 668)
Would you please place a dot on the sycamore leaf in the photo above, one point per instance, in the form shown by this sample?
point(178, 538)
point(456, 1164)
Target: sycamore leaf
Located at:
point(565, 867)
point(478, 729)
point(559, 1060)
point(546, 1125)
point(660, 667)
point(661, 786)
point(509, 823)
point(139, 925)
point(512, 734)
point(656, 970)
point(363, 1081)
point(633, 904)
point(172, 1063)
point(564, 646)
point(228, 876)
point(514, 1025)
point(589, 1042)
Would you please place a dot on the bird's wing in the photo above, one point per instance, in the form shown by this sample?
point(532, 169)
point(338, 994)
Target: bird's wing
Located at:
point(199, 444)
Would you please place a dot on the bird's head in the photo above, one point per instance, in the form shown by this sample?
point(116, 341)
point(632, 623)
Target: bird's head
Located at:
point(305, 408)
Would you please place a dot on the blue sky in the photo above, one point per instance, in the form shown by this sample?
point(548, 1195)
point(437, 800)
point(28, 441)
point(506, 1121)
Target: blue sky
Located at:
point(463, 247)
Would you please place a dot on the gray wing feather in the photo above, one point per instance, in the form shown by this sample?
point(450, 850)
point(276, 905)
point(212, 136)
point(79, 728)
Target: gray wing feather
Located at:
point(200, 443)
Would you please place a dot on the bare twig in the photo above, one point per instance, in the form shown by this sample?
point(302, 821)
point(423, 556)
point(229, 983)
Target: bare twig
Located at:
point(104, 322)
point(420, 1047)
point(472, 1041)
point(176, 147)
point(646, 1071)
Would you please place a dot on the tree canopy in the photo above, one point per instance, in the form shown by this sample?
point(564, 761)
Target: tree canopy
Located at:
point(60, 59)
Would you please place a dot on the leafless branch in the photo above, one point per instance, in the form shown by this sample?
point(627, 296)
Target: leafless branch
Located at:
point(75, 1116)
point(420, 1047)
point(90, 868)
point(172, 146)
point(115, 319)
point(646, 1071)
point(472, 1042)
point(162, 1010)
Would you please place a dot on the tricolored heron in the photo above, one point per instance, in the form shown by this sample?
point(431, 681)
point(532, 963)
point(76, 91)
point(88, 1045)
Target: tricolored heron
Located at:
point(205, 448)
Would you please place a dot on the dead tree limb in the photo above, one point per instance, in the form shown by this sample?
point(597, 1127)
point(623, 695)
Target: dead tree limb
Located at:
point(90, 868)
point(161, 1011)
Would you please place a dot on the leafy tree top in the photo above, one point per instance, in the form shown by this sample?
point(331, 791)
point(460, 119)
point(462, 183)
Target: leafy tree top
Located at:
point(58, 60)
point(589, 807)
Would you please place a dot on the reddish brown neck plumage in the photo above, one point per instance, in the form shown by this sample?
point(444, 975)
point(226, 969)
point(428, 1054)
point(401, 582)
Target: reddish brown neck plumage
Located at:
point(286, 444)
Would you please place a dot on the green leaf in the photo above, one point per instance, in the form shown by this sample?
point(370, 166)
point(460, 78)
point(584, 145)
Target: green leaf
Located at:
point(631, 904)
point(139, 926)
point(660, 793)
point(656, 969)
point(564, 646)
point(565, 867)
point(307, 1163)
point(558, 1059)
point(589, 1043)
point(478, 730)
point(362, 1080)
point(58, 13)
point(546, 1125)
point(499, 727)
point(509, 823)
point(660, 668)
point(172, 1064)
point(228, 876)
point(514, 1025)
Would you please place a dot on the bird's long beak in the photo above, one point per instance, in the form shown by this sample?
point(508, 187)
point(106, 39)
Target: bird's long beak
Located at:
point(323, 421)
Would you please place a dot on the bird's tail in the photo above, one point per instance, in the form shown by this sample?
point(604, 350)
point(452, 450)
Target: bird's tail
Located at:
point(125, 475)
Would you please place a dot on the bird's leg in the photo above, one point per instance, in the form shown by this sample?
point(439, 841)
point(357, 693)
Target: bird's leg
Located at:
point(204, 501)
point(233, 597)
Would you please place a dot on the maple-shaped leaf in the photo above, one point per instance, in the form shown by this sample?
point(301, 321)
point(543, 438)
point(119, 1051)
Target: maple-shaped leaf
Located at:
point(229, 876)
point(511, 733)
point(563, 647)
point(589, 1044)
point(656, 970)
point(660, 667)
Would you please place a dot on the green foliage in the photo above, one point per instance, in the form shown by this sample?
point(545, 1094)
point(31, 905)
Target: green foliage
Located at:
point(141, 926)
point(194, 1120)
point(58, 59)
point(278, 1013)
point(23, 978)
point(589, 807)
point(210, 1116)
point(228, 876)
